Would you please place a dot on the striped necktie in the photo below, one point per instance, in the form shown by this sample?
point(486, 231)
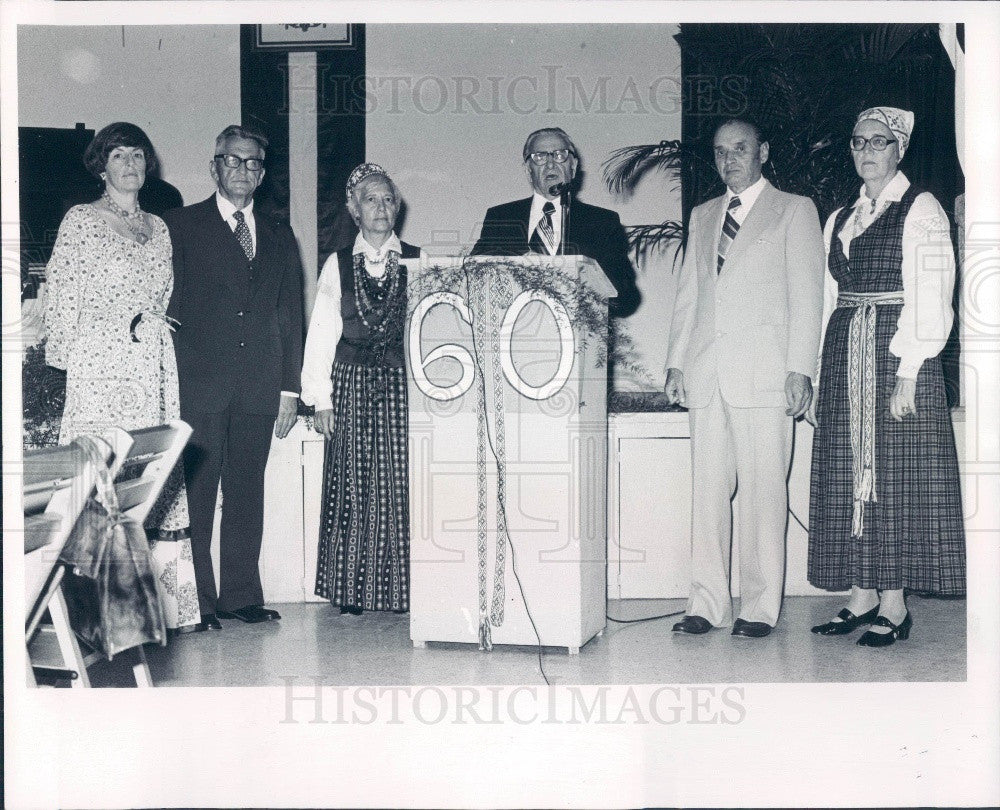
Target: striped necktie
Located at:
point(243, 234)
point(729, 228)
point(544, 236)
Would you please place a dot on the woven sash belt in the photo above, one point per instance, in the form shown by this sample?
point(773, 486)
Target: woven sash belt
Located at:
point(861, 391)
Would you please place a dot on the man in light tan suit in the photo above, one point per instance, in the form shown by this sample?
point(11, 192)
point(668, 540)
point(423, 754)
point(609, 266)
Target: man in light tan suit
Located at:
point(743, 346)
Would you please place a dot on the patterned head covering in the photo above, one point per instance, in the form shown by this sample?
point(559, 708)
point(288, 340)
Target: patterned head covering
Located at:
point(363, 172)
point(900, 122)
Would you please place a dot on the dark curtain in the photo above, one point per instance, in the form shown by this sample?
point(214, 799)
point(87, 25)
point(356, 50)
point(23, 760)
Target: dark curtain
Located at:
point(340, 128)
point(340, 131)
point(264, 106)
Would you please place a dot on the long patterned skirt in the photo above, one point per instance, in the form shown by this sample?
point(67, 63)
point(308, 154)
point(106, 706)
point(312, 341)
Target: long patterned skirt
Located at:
point(364, 543)
point(913, 533)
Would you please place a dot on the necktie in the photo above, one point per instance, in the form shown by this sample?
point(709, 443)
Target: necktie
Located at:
point(243, 234)
point(544, 237)
point(729, 228)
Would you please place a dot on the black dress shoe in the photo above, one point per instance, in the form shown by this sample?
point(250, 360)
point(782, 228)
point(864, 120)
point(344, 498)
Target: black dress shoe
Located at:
point(353, 611)
point(745, 629)
point(849, 624)
point(252, 614)
point(693, 625)
point(209, 621)
point(901, 631)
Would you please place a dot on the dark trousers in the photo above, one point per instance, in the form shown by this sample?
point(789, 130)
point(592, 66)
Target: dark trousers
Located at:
point(232, 447)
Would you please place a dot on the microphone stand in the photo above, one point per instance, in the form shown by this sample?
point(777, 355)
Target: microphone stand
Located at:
point(565, 203)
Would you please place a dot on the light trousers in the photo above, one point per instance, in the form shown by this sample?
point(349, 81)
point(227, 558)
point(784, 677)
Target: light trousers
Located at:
point(744, 452)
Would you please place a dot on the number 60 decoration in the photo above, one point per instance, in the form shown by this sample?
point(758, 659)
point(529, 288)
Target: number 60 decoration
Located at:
point(464, 358)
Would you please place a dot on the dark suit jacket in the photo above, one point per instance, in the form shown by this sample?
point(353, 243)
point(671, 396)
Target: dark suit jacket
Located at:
point(239, 342)
point(593, 231)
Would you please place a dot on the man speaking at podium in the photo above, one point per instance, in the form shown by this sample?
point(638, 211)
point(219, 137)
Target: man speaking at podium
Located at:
point(553, 222)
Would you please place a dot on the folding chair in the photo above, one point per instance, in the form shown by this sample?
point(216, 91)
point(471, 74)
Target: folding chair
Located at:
point(57, 483)
point(142, 461)
point(141, 467)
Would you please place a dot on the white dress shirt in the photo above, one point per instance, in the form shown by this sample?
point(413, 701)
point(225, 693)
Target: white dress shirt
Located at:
point(747, 197)
point(227, 209)
point(535, 216)
point(928, 271)
point(326, 324)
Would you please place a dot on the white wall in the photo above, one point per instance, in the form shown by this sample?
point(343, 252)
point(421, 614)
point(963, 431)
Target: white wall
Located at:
point(181, 84)
point(453, 156)
point(450, 106)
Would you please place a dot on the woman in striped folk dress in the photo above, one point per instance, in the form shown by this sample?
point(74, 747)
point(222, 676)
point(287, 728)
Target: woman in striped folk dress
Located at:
point(353, 374)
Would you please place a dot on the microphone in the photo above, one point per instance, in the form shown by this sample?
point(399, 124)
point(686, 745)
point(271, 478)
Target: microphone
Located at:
point(562, 190)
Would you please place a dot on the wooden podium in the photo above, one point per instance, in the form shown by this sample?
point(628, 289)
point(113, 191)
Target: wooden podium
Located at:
point(507, 374)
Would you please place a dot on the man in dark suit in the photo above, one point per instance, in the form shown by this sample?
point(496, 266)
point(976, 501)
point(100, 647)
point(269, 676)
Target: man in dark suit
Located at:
point(238, 298)
point(537, 224)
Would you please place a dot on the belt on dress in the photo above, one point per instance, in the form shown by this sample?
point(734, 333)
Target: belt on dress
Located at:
point(166, 320)
point(861, 380)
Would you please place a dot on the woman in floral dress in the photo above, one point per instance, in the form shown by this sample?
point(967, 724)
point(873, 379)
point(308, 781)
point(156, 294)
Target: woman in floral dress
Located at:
point(108, 284)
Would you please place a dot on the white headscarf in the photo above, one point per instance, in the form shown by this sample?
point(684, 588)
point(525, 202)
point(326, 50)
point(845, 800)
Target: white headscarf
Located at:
point(900, 122)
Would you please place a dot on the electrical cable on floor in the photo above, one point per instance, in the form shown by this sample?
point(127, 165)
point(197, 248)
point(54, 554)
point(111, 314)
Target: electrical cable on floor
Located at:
point(503, 505)
point(644, 618)
point(803, 525)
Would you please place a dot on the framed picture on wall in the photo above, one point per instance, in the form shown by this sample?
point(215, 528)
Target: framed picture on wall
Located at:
point(305, 36)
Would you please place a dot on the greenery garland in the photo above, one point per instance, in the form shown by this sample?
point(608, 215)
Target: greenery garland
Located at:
point(587, 309)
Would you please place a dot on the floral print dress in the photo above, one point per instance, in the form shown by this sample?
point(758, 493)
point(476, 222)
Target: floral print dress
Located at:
point(120, 368)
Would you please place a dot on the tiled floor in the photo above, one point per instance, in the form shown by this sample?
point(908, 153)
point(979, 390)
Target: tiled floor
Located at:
point(375, 648)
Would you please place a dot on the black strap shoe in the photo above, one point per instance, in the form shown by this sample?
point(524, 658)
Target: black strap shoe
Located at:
point(900, 631)
point(849, 624)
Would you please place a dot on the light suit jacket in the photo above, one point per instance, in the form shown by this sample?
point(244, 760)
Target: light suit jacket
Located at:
point(744, 329)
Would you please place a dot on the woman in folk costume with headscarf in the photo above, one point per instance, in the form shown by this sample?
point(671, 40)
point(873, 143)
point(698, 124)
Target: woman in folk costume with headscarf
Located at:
point(353, 373)
point(885, 508)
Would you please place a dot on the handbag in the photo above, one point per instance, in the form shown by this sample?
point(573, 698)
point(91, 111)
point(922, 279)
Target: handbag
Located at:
point(111, 591)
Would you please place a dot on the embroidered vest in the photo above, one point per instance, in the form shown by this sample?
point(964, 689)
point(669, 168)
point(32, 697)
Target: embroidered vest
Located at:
point(358, 344)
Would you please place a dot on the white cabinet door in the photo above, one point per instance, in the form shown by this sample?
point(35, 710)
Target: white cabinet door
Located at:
point(654, 530)
point(312, 492)
point(293, 482)
point(281, 552)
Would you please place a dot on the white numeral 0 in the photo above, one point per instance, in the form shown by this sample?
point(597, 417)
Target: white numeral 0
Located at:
point(561, 376)
point(419, 363)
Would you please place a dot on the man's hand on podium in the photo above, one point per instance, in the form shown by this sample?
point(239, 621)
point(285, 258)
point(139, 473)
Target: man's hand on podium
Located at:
point(674, 387)
point(323, 422)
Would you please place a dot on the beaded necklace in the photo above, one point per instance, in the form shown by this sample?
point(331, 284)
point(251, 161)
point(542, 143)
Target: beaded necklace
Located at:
point(376, 296)
point(135, 221)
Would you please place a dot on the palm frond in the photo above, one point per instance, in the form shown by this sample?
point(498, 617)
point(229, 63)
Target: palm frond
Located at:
point(623, 170)
point(642, 239)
